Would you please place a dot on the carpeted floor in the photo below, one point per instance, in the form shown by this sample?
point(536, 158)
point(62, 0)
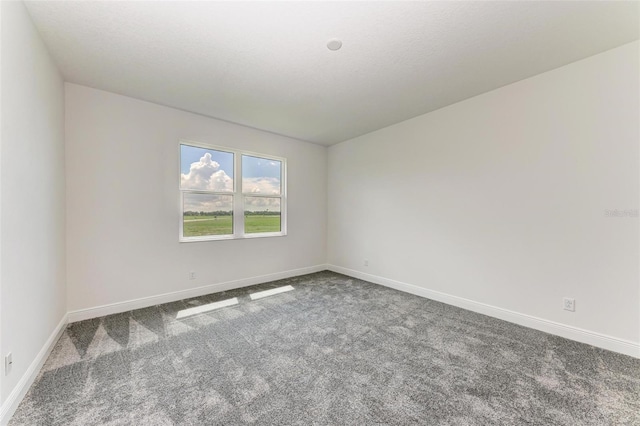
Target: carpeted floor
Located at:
point(332, 350)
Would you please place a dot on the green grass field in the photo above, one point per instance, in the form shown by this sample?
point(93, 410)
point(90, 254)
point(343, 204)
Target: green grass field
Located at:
point(198, 226)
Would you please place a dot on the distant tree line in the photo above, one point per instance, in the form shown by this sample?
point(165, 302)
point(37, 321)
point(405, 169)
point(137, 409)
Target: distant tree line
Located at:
point(216, 213)
point(263, 213)
point(230, 213)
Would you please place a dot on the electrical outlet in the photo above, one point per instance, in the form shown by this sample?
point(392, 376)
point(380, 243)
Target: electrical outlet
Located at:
point(192, 275)
point(8, 363)
point(366, 262)
point(569, 304)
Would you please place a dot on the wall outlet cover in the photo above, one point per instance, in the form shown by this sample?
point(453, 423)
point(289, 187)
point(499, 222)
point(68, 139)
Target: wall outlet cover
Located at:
point(569, 304)
point(8, 362)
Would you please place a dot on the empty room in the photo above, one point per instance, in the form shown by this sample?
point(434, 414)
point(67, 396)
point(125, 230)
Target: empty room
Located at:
point(328, 213)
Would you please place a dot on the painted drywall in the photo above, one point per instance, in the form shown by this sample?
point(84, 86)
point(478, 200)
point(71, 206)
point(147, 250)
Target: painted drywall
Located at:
point(515, 198)
point(123, 202)
point(1, 351)
point(33, 194)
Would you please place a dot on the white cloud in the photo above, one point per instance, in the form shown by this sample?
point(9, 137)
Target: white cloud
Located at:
point(206, 175)
point(207, 203)
point(262, 203)
point(261, 185)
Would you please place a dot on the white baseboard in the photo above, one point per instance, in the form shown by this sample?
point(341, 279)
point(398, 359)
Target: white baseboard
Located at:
point(603, 341)
point(29, 376)
point(116, 308)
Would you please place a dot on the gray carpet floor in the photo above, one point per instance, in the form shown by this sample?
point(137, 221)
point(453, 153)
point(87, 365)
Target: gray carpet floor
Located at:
point(334, 350)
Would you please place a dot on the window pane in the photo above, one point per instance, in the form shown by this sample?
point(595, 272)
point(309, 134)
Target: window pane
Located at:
point(206, 169)
point(206, 214)
point(261, 175)
point(261, 214)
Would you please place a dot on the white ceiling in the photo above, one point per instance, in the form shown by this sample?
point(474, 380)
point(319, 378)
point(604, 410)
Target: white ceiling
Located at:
point(266, 64)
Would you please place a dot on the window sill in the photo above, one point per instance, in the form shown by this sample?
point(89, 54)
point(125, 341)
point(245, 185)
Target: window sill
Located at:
point(231, 237)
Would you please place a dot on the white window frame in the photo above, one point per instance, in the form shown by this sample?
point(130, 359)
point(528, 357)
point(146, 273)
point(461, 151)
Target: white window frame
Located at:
point(238, 195)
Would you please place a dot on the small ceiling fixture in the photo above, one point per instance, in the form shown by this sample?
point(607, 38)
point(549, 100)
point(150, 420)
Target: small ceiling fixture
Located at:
point(334, 44)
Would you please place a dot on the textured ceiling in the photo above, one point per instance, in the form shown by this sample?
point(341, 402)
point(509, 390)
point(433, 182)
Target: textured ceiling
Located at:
point(266, 64)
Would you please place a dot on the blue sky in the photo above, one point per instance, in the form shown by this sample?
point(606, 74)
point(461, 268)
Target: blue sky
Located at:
point(192, 154)
point(211, 170)
point(260, 167)
point(252, 167)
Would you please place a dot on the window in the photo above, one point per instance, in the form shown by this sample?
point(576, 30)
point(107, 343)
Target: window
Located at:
point(227, 194)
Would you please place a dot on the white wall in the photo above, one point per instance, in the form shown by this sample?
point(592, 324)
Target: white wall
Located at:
point(1, 351)
point(123, 202)
point(32, 196)
point(501, 198)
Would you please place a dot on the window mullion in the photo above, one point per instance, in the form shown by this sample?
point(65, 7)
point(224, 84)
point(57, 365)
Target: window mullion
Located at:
point(238, 202)
point(261, 198)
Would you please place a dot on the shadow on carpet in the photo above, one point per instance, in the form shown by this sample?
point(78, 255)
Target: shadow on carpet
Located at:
point(324, 349)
